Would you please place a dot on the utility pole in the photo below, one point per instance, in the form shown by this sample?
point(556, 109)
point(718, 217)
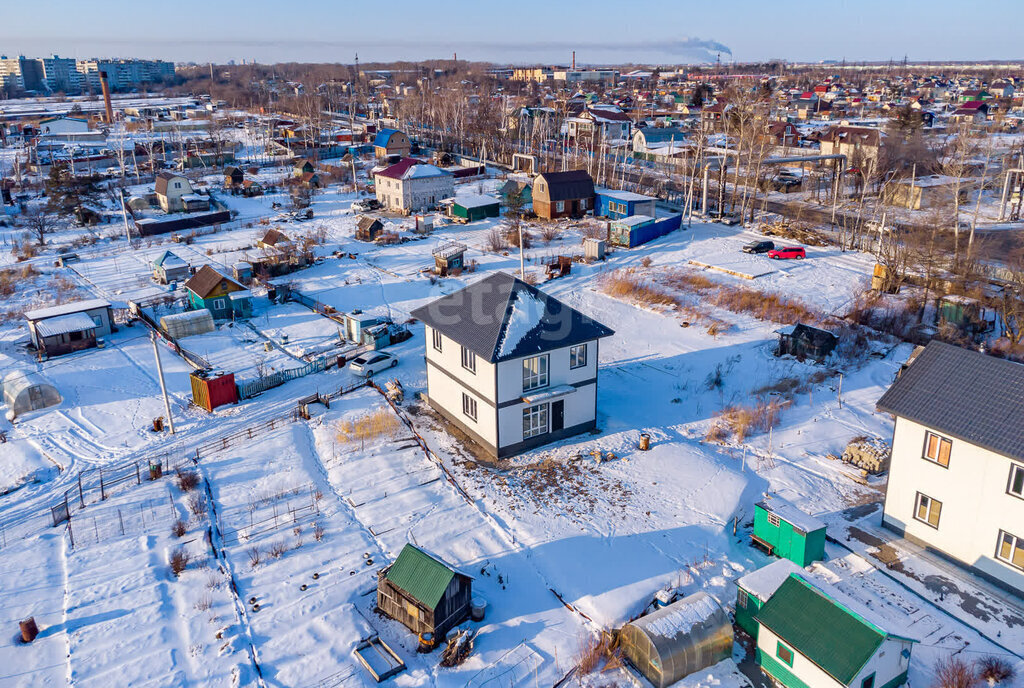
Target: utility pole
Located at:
point(163, 385)
point(124, 216)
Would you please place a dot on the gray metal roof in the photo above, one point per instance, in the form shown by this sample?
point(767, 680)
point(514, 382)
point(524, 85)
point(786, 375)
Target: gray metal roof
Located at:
point(479, 317)
point(965, 394)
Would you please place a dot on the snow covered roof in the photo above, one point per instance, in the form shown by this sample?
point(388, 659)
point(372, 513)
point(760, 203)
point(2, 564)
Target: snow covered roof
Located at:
point(634, 220)
point(65, 309)
point(475, 201)
point(63, 324)
point(763, 582)
point(501, 317)
point(624, 195)
point(411, 168)
point(791, 514)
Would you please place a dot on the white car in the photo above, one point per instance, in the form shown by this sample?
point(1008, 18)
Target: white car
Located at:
point(371, 363)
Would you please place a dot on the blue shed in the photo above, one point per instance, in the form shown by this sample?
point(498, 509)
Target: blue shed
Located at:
point(619, 204)
point(639, 229)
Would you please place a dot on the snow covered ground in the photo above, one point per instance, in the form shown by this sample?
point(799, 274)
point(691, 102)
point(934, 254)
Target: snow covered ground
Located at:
point(280, 585)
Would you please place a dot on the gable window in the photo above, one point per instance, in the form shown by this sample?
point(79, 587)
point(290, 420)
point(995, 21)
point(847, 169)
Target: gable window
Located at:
point(927, 510)
point(177, 185)
point(535, 420)
point(535, 372)
point(773, 520)
point(468, 406)
point(1016, 486)
point(784, 653)
point(1011, 549)
point(578, 356)
point(468, 360)
point(937, 448)
point(437, 338)
point(868, 682)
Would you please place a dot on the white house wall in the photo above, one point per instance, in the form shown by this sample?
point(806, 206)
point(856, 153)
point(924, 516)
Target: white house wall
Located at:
point(446, 392)
point(803, 668)
point(886, 664)
point(975, 503)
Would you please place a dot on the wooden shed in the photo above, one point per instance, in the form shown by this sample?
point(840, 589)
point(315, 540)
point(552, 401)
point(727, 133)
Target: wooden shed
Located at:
point(424, 593)
point(449, 256)
point(367, 228)
point(804, 341)
point(787, 532)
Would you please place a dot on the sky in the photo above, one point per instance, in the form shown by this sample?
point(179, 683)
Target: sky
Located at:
point(519, 32)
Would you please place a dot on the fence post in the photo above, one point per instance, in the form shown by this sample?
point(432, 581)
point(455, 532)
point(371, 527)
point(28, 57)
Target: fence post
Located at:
point(103, 494)
point(121, 521)
point(138, 478)
point(71, 534)
point(81, 499)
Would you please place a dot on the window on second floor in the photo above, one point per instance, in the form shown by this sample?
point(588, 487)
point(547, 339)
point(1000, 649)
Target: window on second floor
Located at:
point(928, 510)
point(937, 448)
point(437, 338)
point(468, 360)
point(535, 372)
point(578, 356)
point(1016, 486)
point(784, 653)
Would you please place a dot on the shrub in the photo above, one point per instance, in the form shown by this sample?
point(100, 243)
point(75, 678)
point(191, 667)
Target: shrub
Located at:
point(318, 532)
point(255, 556)
point(496, 241)
point(277, 550)
point(187, 480)
point(203, 603)
point(627, 286)
point(549, 233)
point(197, 505)
point(596, 650)
point(368, 426)
point(179, 528)
point(179, 561)
point(953, 672)
point(512, 237)
point(995, 669)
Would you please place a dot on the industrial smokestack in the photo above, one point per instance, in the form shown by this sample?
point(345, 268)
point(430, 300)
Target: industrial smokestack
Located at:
point(106, 97)
point(574, 60)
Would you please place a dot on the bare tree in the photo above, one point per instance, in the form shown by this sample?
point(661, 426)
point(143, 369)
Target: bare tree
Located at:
point(40, 223)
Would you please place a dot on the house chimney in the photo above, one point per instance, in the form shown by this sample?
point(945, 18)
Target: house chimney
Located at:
point(106, 97)
point(574, 60)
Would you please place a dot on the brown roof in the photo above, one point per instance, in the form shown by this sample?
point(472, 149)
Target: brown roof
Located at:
point(205, 280)
point(162, 178)
point(863, 135)
point(273, 237)
point(366, 223)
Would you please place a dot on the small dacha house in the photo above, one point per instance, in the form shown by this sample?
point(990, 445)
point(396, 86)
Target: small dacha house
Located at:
point(221, 295)
point(807, 639)
point(563, 194)
point(424, 593)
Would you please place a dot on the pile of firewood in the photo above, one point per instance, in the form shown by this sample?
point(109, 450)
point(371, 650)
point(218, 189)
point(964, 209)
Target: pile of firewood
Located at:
point(458, 649)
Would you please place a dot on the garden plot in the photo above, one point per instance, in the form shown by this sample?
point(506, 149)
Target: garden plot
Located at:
point(110, 397)
point(238, 349)
point(123, 601)
point(296, 329)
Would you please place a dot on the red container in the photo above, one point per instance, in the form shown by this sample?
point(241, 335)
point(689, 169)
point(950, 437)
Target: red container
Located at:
point(210, 390)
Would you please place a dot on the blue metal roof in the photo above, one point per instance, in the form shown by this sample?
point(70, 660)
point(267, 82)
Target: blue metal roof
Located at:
point(383, 136)
point(659, 134)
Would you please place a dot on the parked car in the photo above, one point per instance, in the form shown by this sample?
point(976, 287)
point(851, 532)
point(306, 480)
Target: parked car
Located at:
point(758, 247)
point(372, 362)
point(787, 252)
point(365, 205)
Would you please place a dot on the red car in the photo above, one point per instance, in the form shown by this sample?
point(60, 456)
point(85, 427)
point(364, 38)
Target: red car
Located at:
point(786, 252)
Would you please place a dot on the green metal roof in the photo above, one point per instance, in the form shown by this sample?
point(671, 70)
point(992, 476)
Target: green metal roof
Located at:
point(420, 575)
point(821, 629)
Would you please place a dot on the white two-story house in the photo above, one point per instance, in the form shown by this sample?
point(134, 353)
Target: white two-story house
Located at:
point(510, 366)
point(410, 186)
point(956, 480)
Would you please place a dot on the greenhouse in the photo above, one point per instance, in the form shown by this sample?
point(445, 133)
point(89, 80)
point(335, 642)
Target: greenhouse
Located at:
point(25, 392)
point(187, 324)
point(673, 642)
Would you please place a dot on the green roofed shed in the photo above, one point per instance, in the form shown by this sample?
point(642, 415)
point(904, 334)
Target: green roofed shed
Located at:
point(423, 592)
point(807, 628)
